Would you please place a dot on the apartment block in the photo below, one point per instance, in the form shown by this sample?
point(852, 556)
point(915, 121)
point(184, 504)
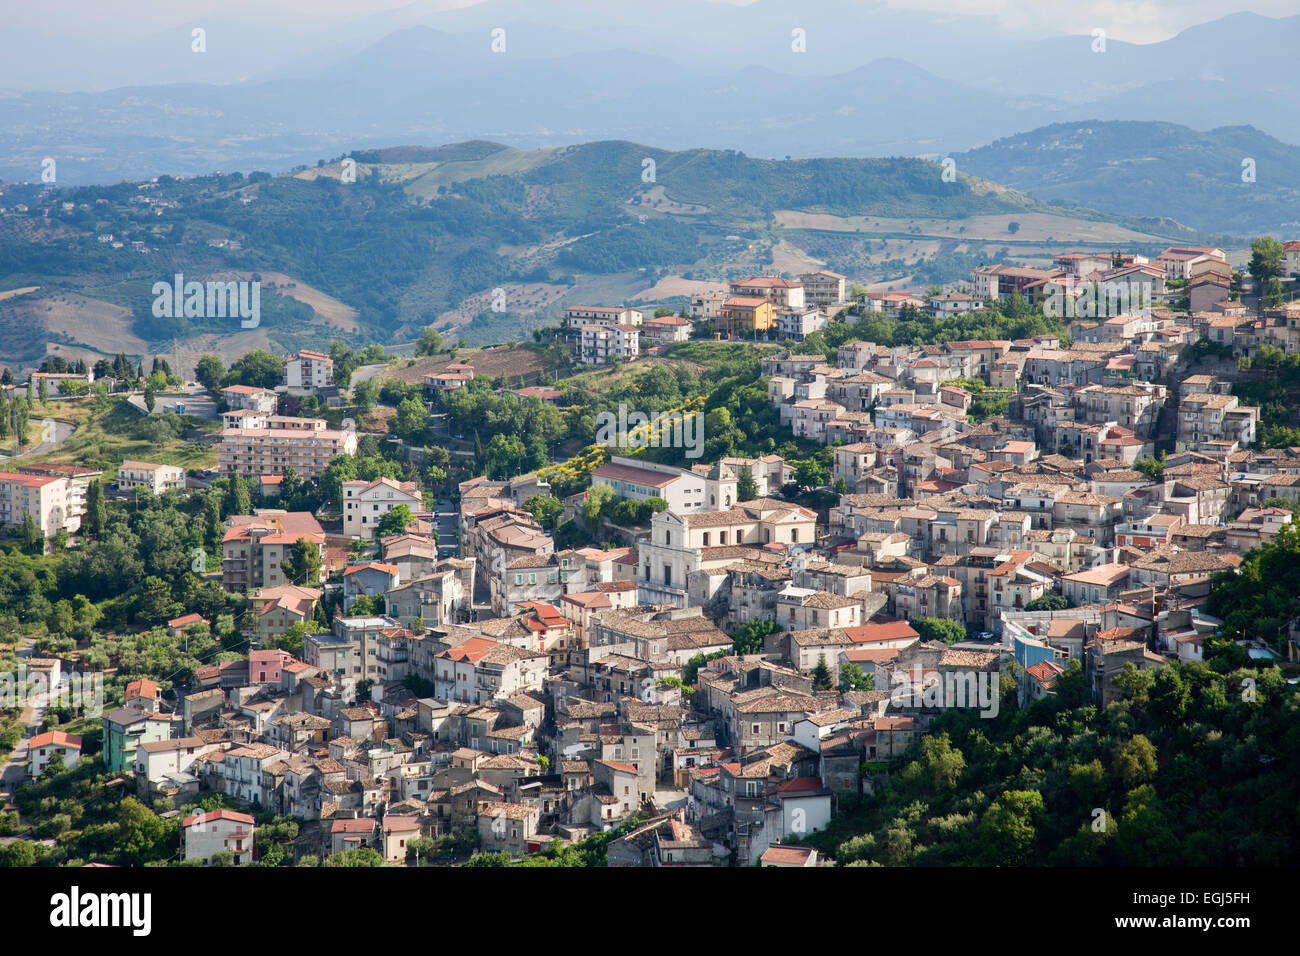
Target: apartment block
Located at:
point(306, 445)
point(44, 497)
point(254, 547)
point(146, 474)
point(823, 290)
point(581, 316)
point(308, 369)
point(604, 344)
point(365, 503)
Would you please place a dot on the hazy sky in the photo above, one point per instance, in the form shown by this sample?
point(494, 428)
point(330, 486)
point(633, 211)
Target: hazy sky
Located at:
point(1139, 21)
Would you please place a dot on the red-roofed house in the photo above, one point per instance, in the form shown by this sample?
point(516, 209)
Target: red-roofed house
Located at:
point(51, 747)
point(354, 834)
point(177, 625)
point(220, 831)
point(789, 856)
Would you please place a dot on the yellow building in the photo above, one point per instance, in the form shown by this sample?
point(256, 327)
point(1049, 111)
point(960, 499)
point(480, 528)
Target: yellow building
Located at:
point(744, 315)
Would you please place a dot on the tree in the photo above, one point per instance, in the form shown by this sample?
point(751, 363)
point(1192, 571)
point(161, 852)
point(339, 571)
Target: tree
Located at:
point(821, 674)
point(364, 395)
point(238, 500)
point(810, 474)
point(852, 678)
point(1048, 602)
point(1007, 829)
point(504, 457)
point(1265, 261)
point(545, 509)
point(395, 522)
point(597, 497)
point(749, 639)
point(1152, 467)
point(258, 369)
point(302, 565)
point(210, 372)
point(1013, 227)
point(96, 508)
point(430, 342)
point(33, 540)
point(746, 487)
point(43, 391)
point(1135, 764)
point(411, 421)
point(938, 629)
point(150, 399)
point(1272, 296)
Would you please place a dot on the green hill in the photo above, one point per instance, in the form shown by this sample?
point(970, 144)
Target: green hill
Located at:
point(1153, 169)
point(424, 235)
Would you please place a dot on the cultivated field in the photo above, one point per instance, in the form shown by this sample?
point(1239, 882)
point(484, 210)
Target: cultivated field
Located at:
point(493, 362)
point(1034, 227)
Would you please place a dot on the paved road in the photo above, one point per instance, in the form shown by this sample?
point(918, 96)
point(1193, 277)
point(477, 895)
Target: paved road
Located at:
point(364, 374)
point(62, 431)
point(446, 520)
point(15, 768)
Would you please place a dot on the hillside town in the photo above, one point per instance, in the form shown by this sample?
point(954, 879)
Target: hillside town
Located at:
point(708, 686)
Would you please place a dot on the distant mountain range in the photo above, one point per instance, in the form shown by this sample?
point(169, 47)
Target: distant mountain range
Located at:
point(873, 82)
point(1154, 169)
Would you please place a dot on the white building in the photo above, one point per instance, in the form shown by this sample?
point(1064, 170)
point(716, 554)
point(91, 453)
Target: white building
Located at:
point(604, 344)
point(53, 746)
point(365, 503)
point(144, 474)
point(797, 324)
point(308, 369)
point(228, 831)
point(247, 397)
point(46, 498)
point(581, 316)
point(824, 289)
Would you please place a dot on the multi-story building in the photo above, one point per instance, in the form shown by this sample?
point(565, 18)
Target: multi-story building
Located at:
point(145, 474)
point(745, 315)
point(1135, 406)
point(706, 306)
point(254, 547)
point(798, 324)
point(365, 503)
point(46, 499)
point(1206, 421)
point(603, 344)
point(278, 609)
point(307, 445)
point(308, 369)
point(581, 316)
point(220, 831)
point(479, 670)
point(252, 399)
point(679, 543)
point(823, 290)
point(782, 293)
point(685, 491)
point(666, 329)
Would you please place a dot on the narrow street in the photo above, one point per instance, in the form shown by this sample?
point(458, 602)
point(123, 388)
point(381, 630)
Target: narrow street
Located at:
point(15, 767)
